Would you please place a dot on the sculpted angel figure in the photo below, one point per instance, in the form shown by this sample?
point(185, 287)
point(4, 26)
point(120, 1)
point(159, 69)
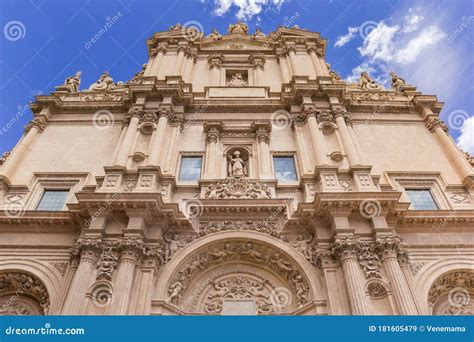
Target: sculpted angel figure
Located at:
point(105, 82)
point(174, 244)
point(174, 291)
point(367, 83)
point(398, 83)
point(236, 166)
point(237, 81)
point(71, 84)
point(282, 264)
point(301, 244)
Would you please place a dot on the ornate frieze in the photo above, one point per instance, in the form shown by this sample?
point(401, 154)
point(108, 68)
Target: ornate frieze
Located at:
point(100, 97)
point(38, 123)
point(238, 188)
point(373, 96)
point(268, 226)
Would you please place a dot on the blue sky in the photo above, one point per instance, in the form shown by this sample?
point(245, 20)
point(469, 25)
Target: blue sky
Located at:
point(429, 43)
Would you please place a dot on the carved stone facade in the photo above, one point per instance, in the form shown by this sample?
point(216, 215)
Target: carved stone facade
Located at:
point(236, 173)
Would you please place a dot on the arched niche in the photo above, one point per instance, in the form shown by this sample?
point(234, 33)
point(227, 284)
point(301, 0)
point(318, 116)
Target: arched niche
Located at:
point(453, 293)
point(237, 157)
point(239, 273)
point(22, 293)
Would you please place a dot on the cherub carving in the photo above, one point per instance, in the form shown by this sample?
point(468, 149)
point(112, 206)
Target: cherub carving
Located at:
point(174, 244)
point(301, 245)
point(367, 83)
point(105, 82)
point(174, 291)
point(237, 80)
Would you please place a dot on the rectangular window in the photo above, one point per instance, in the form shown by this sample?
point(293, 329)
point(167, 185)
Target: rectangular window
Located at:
point(285, 169)
point(53, 200)
point(421, 199)
point(190, 168)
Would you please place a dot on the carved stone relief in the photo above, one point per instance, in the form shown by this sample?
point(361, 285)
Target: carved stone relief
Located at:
point(452, 294)
point(238, 188)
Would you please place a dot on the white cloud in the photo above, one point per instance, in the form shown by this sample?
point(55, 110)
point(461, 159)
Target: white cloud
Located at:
point(379, 43)
point(429, 36)
point(411, 22)
point(247, 8)
point(466, 140)
point(343, 40)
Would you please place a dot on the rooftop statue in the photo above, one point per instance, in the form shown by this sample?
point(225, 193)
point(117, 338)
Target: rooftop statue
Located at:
point(367, 83)
point(215, 34)
point(258, 34)
point(239, 28)
point(71, 84)
point(398, 83)
point(105, 82)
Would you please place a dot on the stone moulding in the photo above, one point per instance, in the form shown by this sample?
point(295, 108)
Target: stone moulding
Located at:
point(238, 188)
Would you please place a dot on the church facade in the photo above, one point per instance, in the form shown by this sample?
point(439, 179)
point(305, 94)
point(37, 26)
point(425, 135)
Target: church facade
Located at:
point(235, 174)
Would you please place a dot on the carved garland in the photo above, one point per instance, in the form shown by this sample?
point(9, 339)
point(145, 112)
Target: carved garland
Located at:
point(238, 188)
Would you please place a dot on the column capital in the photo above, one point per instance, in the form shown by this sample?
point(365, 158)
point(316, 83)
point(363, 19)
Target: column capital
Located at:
point(182, 47)
point(39, 123)
point(215, 61)
point(433, 122)
point(212, 135)
point(263, 135)
point(167, 112)
point(88, 247)
point(345, 248)
point(257, 61)
point(388, 247)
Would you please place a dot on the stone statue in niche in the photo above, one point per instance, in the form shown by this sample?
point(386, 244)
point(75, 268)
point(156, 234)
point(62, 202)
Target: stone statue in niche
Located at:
point(237, 80)
point(236, 165)
point(71, 84)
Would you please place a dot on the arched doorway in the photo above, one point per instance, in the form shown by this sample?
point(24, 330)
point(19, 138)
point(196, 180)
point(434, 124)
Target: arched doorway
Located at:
point(22, 294)
point(453, 293)
point(238, 273)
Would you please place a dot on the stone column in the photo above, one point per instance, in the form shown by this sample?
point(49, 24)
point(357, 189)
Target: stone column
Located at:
point(119, 141)
point(302, 148)
point(315, 60)
point(129, 138)
point(131, 251)
point(293, 62)
point(215, 63)
point(88, 249)
point(388, 249)
point(316, 138)
point(212, 153)
point(188, 66)
point(440, 129)
point(346, 138)
point(285, 71)
point(345, 250)
point(160, 52)
point(263, 138)
point(32, 129)
point(178, 67)
point(157, 140)
point(258, 62)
